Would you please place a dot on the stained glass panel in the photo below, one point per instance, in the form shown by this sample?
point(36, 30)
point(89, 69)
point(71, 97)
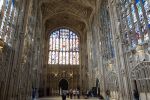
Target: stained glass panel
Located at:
point(60, 58)
point(74, 45)
point(57, 44)
point(137, 33)
point(71, 45)
point(64, 58)
point(129, 21)
point(71, 58)
point(1, 5)
point(67, 44)
point(54, 43)
point(77, 55)
point(61, 44)
point(51, 44)
point(71, 35)
point(64, 44)
point(53, 57)
point(57, 56)
point(50, 58)
point(67, 57)
point(74, 58)
point(77, 45)
point(133, 13)
point(139, 8)
point(133, 42)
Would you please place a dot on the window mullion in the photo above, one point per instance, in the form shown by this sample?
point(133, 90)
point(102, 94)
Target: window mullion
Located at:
point(59, 49)
point(49, 52)
point(75, 51)
point(69, 48)
point(63, 47)
point(52, 49)
point(55, 49)
point(65, 44)
point(72, 50)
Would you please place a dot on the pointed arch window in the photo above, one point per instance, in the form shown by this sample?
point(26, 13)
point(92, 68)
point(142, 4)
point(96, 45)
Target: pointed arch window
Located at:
point(63, 47)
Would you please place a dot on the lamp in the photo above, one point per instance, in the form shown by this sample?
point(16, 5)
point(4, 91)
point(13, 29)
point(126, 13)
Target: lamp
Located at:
point(110, 65)
point(55, 74)
point(1, 44)
point(139, 48)
point(71, 74)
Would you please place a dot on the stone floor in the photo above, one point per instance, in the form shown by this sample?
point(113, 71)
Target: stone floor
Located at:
point(59, 98)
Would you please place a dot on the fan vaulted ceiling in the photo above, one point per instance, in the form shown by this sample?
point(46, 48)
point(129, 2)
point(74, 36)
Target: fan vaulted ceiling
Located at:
point(70, 13)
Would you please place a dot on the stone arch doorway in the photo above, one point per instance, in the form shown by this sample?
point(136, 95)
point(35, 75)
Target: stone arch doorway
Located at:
point(140, 79)
point(63, 84)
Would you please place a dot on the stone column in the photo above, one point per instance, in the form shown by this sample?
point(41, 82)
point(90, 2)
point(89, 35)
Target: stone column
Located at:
point(45, 62)
point(89, 52)
point(115, 32)
point(17, 58)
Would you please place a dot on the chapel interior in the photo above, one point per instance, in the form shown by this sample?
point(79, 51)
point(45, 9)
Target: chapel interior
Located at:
point(89, 45)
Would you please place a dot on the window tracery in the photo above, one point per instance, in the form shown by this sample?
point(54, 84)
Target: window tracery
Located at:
point(64, 47)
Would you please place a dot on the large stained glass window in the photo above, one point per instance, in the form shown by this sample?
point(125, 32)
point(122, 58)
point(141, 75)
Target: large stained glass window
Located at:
point(135, 21)
point(63, 47)
point(107, 41)
point(8, 18)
